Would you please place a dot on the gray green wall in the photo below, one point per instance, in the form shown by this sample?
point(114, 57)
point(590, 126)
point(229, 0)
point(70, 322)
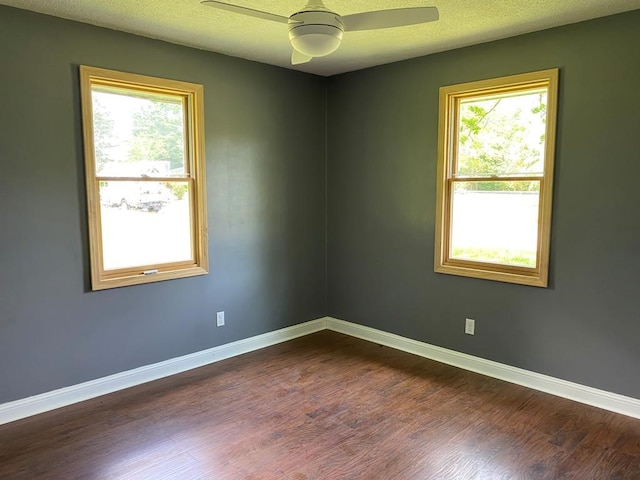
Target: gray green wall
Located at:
point(381, 203)
point(266, 207)
point(267, 193)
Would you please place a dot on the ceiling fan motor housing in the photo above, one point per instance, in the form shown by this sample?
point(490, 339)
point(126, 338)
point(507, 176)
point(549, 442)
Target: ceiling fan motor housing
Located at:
point(315, 33)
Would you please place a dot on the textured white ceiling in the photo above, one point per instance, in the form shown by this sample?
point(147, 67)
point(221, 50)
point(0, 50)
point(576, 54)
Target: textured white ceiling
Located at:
point(461, 23)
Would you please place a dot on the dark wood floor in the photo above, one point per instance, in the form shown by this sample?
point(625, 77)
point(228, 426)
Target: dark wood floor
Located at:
point(325, 406)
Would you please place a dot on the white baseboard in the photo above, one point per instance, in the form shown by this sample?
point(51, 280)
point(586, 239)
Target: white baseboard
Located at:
point(562, 388)
point(45, 402)
point(84, 391)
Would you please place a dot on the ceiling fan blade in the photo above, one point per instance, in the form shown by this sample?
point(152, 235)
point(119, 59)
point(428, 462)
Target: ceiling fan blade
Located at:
point(297, 58)
point(245, 11)
point(396, 17)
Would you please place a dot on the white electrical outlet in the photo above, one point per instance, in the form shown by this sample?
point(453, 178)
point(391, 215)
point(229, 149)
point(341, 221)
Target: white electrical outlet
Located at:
point(470, 326)
point(220, 319)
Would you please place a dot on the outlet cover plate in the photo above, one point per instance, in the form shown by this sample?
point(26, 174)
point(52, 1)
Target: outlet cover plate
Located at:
point(470, 326)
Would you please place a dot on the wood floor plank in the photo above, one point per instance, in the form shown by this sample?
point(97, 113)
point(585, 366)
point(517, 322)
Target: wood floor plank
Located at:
point(324, 406)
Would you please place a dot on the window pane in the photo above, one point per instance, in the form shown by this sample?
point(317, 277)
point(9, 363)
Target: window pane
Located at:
point(502, 135)
point(495, 222)
point(137, 135)
point(145, 223)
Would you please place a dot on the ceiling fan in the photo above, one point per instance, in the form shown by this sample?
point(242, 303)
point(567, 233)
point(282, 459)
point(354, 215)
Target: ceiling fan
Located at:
point(316, 31)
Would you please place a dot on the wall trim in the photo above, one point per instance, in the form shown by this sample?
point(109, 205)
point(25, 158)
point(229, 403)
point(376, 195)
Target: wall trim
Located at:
point(63, 397)
point(573, 391)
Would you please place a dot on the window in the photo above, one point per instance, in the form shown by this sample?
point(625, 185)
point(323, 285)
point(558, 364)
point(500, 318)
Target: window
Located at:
point(495, 178)
point(145, 177)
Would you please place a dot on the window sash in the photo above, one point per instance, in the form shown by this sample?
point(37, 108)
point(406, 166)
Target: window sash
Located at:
point(491, 266)
point(114, 273)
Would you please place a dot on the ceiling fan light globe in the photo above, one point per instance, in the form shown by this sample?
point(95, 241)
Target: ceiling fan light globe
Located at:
point(315, 40)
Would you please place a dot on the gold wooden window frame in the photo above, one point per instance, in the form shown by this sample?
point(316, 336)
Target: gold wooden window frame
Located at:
point(190, 96)
point(448, 127)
